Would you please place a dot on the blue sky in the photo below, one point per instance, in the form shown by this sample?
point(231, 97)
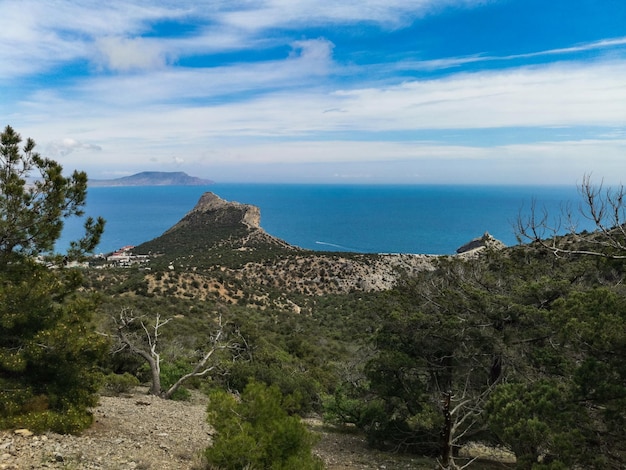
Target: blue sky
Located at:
point(342, 91)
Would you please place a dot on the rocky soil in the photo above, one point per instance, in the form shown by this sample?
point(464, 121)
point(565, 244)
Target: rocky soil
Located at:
point(137, 431)
point(335, 274)
point(311, 275)
point(140, 431)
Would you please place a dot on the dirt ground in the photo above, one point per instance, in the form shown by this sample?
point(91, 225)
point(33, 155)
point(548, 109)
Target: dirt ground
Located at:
point(142, 432)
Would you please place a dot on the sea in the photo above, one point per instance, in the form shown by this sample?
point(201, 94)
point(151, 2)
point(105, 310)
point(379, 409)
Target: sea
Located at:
point(419, 219)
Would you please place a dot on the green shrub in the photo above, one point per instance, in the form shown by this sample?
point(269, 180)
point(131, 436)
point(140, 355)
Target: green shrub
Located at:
point(300, 387)
point(116, 384)
point(70, 421)
point(50, 355)
point(170, 373)
point(39, 413)
point(257, 432)
point(540, 423)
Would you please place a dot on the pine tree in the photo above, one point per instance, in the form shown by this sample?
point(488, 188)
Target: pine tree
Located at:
point(48, 349)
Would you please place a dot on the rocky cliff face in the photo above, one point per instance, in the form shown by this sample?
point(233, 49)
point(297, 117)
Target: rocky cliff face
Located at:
point(213, 210)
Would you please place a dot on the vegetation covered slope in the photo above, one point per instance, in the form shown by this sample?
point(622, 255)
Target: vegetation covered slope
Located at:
point(515, 347)
point(226, 237)
point(520, 347)
point(216, 232)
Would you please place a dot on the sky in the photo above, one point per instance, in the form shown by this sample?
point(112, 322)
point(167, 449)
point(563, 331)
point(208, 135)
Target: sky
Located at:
point(317, 91)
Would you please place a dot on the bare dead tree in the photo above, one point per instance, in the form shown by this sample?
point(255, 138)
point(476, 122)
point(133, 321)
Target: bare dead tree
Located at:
point(144, 342)
point(461, 416)
point(604, 207)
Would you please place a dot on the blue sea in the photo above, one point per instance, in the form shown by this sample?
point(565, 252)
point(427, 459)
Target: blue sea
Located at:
point(354, 218)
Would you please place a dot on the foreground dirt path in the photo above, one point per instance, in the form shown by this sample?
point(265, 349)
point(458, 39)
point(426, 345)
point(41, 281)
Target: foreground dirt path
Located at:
point(142, 432)
point(132, 432)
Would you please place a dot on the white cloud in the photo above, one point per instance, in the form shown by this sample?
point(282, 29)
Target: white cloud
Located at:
point(127, 54)
point(452, 62)
point(545, 162)
point(308, 61)
point(418, 162)
point(289, 13)
point(590, 46)
point(381, 151)
point(38, 36)
point(563, 94)
point(66, 146)
point(545, 96)
point(152, 108)
point(315, 50)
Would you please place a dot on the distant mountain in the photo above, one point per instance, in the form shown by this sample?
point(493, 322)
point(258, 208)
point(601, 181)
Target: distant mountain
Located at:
point(154, 178)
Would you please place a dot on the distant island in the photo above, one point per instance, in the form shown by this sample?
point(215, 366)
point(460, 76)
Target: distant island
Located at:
point(154, 178)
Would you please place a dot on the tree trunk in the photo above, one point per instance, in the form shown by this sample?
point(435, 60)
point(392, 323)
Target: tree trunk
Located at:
point(155, 370)
point(446, 431)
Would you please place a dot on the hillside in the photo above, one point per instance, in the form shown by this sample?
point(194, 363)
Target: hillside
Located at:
point(307, 317)
point(154, 178)
point(383, 344)
point(519, 346)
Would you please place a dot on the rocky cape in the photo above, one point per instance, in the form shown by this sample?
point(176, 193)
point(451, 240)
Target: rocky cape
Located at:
point(226, 239)
point(216, 227)
point(211, 211)
point(154, 178)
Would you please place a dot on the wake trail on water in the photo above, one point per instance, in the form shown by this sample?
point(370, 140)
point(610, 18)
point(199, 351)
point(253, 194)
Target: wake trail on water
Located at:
point(341, 247)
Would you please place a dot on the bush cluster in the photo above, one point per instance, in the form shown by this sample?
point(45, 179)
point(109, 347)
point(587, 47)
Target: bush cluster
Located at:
point(255, 431)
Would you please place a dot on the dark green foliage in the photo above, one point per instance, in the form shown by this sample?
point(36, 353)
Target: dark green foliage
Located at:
point(541, 424)
point(443, 332)
point(299, 385)
point(33, 212)
point(467, 327)
point(171, 372)
point(298, 353)
point(255, 431)
point(274, 352)
point(592, 330)
point(399, 388)
point(570, 405)
point(48, 351)
point(270, 360)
